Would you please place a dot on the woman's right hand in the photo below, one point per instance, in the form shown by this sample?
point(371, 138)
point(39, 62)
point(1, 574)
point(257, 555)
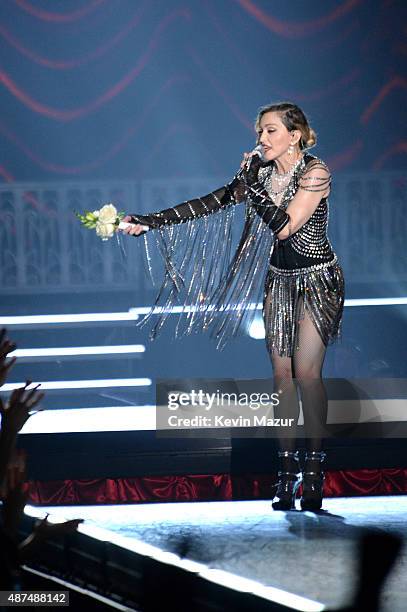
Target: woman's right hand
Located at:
point(251, 164)
point(246, 157)
point(135, 229)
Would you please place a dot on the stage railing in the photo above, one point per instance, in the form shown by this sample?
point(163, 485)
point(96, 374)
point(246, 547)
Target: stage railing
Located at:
point(44, 249)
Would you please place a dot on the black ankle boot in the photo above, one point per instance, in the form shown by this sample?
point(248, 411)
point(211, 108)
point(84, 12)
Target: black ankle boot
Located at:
point(312, 482)
point(288, 483)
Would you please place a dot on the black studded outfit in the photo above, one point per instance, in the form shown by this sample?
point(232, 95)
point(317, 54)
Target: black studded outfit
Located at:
point(219, 284)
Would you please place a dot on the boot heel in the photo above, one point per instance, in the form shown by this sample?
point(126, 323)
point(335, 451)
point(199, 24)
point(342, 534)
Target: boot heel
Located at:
point(287, 485)
point(286, 493)
point(312, 483)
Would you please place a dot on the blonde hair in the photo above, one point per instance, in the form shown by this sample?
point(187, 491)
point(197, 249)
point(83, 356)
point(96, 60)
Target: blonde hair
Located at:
point(293, 118)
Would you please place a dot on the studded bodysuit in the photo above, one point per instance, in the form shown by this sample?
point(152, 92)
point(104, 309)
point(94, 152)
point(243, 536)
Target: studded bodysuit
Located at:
point(302, 270)
point(310, 244)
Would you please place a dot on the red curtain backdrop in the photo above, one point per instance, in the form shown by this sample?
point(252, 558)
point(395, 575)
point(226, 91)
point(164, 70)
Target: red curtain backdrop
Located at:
point(220, 487)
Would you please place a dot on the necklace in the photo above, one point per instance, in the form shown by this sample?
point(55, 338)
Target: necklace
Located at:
point(282, 173)
point(285, 188)
point(280, 177)
point(283, 179)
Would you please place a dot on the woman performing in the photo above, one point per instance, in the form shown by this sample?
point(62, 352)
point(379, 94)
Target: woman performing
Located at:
point(284, 251)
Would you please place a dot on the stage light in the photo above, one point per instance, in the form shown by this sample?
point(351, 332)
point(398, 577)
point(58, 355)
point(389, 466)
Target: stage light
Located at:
point(390, 301)
point(46, 319)
point(134, 313)
point(76, 420)
point(142, 310)
point(256, 329)
point(78, 350)
point(82, 384)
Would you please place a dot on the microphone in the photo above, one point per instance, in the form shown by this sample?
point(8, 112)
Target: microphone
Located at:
point(257, 151)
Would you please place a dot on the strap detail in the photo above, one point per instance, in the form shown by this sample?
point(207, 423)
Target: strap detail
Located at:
point(293, 454)
point(273, 215)
point(316, 176)
point(295, 475)
point(192, 209)
point(315, 456)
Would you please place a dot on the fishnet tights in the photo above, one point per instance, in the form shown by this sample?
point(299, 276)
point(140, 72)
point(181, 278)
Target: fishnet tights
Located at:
point(306, 367)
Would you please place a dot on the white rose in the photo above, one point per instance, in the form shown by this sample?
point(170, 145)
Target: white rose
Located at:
point(108, 214)
point(105, 230)
point(95, 213)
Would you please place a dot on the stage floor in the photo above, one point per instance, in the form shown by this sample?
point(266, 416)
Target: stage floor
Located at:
point(311, 555)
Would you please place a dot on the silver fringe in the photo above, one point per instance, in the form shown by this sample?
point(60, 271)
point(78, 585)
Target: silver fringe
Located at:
point(216, 287)
point(322, 287)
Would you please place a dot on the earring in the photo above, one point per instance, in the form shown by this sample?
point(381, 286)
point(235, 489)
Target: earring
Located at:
point(290, 150)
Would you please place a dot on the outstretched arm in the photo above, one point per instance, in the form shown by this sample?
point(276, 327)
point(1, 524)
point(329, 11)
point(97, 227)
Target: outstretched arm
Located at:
point(191, 209)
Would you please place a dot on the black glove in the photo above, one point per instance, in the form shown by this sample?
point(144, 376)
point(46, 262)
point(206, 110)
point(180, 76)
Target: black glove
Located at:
point(147, 220)
point(251, 174)
point(275, 217)
point(191, 209)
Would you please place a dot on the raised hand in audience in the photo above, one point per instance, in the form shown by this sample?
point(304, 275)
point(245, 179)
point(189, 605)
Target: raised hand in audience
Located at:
point(13, 493)
point(16, 411)
point(43, 531)
point(6, 347)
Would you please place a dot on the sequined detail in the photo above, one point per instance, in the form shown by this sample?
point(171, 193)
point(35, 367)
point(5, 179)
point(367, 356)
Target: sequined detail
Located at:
point(218, 288)
point(214, 285)
point(265, 177)
point(322, 289)
point(313, 268)
point(311, 239)
point(320, 283)
point(272, 215)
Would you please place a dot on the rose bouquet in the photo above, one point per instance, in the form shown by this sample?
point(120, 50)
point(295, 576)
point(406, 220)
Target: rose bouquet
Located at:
point(105, 221)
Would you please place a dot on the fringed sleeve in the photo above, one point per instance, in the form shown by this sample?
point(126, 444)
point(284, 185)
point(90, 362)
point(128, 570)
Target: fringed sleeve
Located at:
point(213, 285)
point(192, 209)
